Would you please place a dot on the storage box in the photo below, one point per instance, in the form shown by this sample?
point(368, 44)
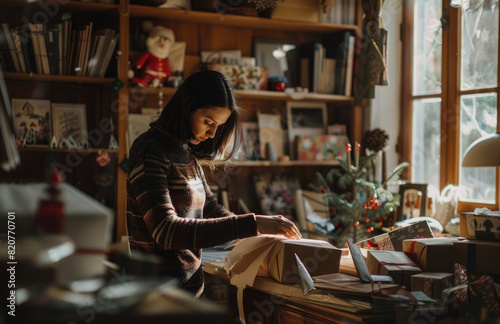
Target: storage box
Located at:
point(487, 227)
point(393, 263)
point(479, 257)
point(298, 10)
point(467, 225)
point(87, 223)
point(432, 283)
point(433, 254)
point(393, 241)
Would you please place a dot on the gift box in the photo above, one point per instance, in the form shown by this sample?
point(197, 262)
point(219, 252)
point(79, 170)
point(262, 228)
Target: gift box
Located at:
point(433, 254)
point(432, 283)
point(321, 147)
point(393, 263)
point(393, 241)
point(319, 258)
point(479, 256)
point(274, 256)
point(87, 223)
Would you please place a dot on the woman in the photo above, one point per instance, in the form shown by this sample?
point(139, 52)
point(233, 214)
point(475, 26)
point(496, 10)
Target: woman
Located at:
point(170, 209)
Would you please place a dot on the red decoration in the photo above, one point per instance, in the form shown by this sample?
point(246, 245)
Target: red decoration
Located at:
point(365, 214)
point(348, 148)
point(103, 159)
point(357, 223)
point(323, 190)
point(50, 214)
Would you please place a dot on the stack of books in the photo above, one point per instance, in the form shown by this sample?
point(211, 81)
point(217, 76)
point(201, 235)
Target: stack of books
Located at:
point(57, 49)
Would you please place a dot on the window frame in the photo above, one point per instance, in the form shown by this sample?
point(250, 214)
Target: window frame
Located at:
point(450, 99)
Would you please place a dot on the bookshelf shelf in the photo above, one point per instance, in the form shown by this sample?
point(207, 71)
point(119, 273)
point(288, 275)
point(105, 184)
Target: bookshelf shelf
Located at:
point(56, 78)
point(46, 149)
point(279, 164)
point(260, 95)
point(228, 20)
point(83, 7)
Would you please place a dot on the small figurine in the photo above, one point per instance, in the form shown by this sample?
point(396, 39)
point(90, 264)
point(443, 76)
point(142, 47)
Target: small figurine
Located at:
point(153, 68)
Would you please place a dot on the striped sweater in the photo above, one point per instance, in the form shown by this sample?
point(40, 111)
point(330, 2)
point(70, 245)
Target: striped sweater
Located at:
point(171, 211)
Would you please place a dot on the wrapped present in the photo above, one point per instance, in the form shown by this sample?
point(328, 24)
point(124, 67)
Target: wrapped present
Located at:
point(393, 263)
point(482, 296)
point(433, 254)
point(432, 283)
point(87, 222)
point(274, 256)
point(479, 256)
point(393, 241)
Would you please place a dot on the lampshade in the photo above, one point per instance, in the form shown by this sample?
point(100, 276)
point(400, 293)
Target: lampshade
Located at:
point(484, 152)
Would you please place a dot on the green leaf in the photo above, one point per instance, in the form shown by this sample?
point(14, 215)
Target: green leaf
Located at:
point(396, 172)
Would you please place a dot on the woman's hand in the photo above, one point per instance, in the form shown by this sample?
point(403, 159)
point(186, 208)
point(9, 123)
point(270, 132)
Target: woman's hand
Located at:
point(277, 225)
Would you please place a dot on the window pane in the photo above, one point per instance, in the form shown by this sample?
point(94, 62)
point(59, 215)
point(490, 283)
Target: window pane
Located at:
point(427, 47)
point(426, 141)
point(479, 44)
point(478, 117)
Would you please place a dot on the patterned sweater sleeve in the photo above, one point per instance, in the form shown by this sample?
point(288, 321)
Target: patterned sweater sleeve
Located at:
point(166, 227)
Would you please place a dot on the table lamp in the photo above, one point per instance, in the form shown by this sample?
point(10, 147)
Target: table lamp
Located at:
point(484, 152)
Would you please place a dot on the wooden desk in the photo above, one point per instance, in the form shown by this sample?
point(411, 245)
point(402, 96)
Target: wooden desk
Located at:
point(263, 305)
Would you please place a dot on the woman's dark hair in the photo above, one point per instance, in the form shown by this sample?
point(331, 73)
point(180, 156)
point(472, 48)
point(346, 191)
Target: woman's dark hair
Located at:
point(201, 90)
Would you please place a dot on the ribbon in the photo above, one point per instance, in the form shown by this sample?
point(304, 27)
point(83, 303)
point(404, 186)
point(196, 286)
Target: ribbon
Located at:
point(428, 284)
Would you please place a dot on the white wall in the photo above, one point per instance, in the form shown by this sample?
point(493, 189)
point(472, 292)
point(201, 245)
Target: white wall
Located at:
point(386, 104)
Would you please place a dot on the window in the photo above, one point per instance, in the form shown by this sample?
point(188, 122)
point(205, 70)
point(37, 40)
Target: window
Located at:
point(450, 94)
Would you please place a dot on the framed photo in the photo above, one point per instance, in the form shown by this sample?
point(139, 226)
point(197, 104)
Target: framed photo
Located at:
point(70, 120)
point(413, 200)
point(32, 122)
point(279, 56)
point(305, 118)
point(251, 141)
point(138, 124)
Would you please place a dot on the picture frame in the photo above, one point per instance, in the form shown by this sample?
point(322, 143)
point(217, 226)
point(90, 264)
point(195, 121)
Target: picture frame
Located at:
point(138, 124)
point(280, 56)
point(70, 120)
point(32, 122)
point(413, 200)
point(305, 118)
point(251, 142)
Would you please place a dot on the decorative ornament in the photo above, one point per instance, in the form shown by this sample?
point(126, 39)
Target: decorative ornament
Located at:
point(113, 144)
point(103, 159)
point(49, 217)
point(375, 140)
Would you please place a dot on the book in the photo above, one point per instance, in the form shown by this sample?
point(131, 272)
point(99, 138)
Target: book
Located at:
point(52, 41)
point(103, 41)
point(18, 52)
point(11, 52)
point(337, 47)
point(350, 66)
point(109, 55)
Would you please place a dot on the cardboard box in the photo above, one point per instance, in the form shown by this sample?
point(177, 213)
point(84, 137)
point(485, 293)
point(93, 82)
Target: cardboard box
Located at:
point(393, 263)
point(393, 241)
point(298, 10)
point(467, 225)
point(88, 224)
point(433, 254)
point(432, 283)
point(319, 258)
point(479, 257)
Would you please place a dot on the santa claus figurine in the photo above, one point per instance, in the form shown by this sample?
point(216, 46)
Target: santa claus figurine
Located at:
point(153, 65)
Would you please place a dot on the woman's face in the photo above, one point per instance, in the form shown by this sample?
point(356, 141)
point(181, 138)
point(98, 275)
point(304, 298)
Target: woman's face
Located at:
point(204, 122)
